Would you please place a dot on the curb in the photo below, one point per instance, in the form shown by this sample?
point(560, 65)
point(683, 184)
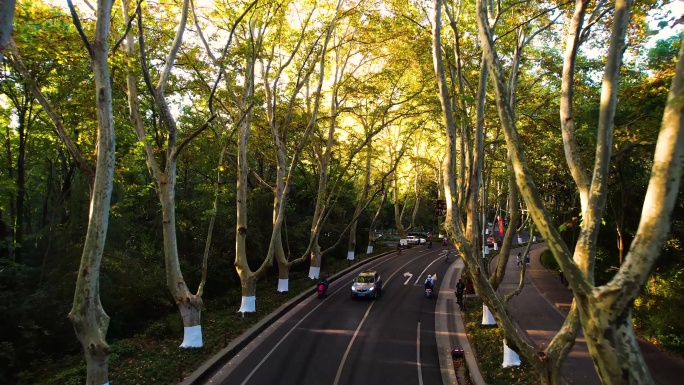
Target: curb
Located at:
point(204, 372)
point(443, 328)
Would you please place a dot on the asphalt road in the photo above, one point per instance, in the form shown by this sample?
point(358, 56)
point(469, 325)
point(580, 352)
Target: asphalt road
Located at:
point(337, 340)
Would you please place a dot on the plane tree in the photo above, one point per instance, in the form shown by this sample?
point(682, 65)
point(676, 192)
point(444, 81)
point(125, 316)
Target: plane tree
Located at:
point(87, 315)
point(603, 311)
point(161, 154)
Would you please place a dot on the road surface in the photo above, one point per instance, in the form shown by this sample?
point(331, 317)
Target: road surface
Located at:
point(338, 340)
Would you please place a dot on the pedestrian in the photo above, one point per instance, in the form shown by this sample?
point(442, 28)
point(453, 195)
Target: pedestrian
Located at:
point(527, 259)
point(460, 288)
point(518, 260)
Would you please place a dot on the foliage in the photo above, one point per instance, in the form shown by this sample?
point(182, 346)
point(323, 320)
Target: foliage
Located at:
point(548, 261)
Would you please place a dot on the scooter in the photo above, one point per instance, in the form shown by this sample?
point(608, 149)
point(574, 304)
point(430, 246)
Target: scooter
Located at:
point(428, 292)
point(322, 290)
point(430, 245)
point(444, 242)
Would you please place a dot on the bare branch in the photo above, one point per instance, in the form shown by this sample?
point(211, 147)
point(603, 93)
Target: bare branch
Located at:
point(79, 28)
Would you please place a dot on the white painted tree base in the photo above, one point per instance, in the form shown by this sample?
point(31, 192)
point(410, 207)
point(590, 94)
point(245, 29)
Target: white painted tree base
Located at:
point(487, 317)
point(534, 239)
point(248, 304)
point(350, 255)
point(519, 240)
point(510, 358)
point(496, 246)
point(486, 249)
point(403, 242)
point(369, 250)
point(192, 337)
point(283, 285)
point(314, 272)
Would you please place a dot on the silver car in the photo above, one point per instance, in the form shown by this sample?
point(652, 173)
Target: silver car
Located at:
point(368, 284)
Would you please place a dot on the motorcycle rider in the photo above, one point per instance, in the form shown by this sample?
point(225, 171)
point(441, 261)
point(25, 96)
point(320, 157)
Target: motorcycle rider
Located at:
point(323, 281)
point(430, 282)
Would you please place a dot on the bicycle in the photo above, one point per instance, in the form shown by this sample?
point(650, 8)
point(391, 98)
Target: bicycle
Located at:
point(448, 254)
point(398, 249)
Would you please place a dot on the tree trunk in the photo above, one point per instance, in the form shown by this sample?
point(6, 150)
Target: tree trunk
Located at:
point(190, 305)
point(613, 346)
point(21, 188)
point(351, 248)
point(315, 266)
point(403, 232)
point(283, 265)
point(6, 17)
point(374, 221)
point(87, 315)
point(247, 279)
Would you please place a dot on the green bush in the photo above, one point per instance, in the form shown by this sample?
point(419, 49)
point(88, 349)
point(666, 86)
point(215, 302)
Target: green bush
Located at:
point(122, 349)
point(548, 261)
point(69, 376)
point(168, 327)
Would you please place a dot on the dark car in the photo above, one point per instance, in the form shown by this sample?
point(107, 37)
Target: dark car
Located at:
point(368, 284)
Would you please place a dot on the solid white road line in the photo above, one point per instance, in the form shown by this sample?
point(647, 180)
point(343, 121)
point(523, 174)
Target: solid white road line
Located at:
point(420, 369)
point(422, 272)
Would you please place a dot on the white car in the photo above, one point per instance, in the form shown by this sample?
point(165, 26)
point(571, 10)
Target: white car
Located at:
point(414, 240)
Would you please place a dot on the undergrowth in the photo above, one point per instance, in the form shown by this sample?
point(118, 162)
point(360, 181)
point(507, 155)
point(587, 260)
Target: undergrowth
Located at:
point(487, 345)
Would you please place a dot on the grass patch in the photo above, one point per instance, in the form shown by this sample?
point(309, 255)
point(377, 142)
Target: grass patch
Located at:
point(487, 344)
point(153, 357)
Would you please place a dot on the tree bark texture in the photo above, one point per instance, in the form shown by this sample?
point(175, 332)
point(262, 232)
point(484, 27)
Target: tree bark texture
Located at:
point(242, 267)
point(87, 315)
point(6, 18)
point(351, 248)
point(572, 153)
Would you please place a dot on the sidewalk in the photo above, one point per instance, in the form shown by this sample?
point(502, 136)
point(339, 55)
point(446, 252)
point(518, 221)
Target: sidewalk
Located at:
point(537, 310)
point(541, 308)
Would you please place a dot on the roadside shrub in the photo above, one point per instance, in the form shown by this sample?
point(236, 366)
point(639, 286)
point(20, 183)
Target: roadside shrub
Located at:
point(548, 261)
point(171, 326)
